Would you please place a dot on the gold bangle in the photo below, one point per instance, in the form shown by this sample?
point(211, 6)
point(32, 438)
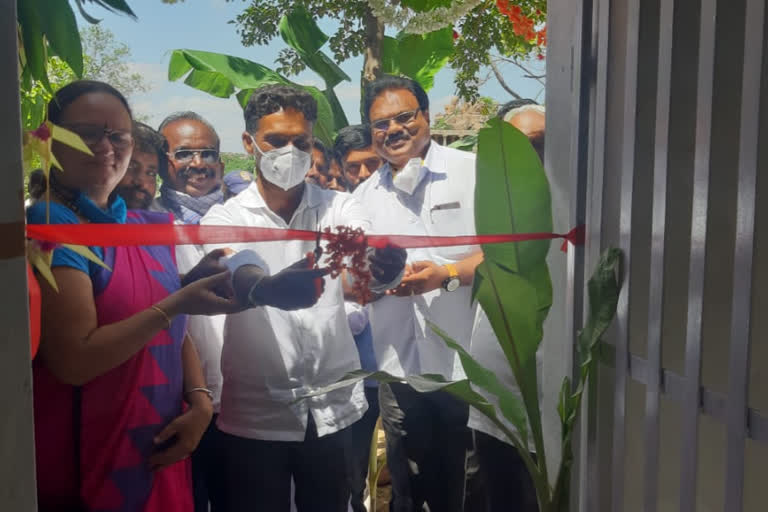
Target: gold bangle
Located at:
point(163, 314)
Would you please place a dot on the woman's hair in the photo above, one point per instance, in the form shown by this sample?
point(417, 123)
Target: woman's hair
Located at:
point(72, 91)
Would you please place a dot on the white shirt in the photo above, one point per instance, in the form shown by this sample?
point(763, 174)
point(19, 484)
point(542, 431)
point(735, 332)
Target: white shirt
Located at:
point(206, 332)
point(272, 357)
point(442, 204)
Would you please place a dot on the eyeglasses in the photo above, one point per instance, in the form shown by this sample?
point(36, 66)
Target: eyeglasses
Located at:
point(208, 156)
point(402, 118)
point(92, 134)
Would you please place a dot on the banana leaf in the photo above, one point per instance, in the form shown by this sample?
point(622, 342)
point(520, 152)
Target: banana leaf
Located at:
point(224, 75)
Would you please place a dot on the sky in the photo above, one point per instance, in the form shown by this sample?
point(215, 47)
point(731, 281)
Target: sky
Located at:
point(204, 25)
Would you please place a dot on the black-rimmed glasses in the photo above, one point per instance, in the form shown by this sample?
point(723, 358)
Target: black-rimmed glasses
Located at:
point(402, 119)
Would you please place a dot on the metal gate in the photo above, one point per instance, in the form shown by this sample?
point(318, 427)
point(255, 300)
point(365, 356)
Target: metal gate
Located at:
point(667, 159)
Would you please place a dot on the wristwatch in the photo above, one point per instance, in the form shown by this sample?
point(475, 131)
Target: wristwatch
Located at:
point(452, 282)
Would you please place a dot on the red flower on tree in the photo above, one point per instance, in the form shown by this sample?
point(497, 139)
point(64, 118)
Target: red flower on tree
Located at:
point(522, 25)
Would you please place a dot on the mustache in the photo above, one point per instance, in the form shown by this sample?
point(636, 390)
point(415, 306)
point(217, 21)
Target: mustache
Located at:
point(187, 172)
point(396, 137)
point(134, 190)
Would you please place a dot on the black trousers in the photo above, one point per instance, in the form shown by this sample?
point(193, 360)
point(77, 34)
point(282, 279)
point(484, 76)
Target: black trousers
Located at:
point(427, 444)
point(508, 485)
point(257, 474)
point(206, 477)
point(358, 449)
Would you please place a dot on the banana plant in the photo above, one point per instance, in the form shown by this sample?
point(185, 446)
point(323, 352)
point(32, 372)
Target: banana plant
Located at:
point(224, 75)
point(513, 287)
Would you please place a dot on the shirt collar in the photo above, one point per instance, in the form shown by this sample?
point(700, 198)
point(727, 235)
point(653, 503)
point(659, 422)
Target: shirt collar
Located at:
point(251, 197)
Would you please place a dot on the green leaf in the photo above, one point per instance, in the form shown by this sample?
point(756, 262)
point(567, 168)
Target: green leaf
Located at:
point(513, 307)
point(223, 74)
point(422, 56)
point(390, 56)
point(60, 27)
point(34, 44)
point(321, 64)
point(509, 403)
point(511, 196)
point(466, 143)
point(69, 138)
point(603, 288)
point(243, 73)
point(117, 6)
point(211, 82)
point(299, 30)
point(339, 117)
point(425, 5)
point(418, 56)
point(87, 253)
point(179, 66)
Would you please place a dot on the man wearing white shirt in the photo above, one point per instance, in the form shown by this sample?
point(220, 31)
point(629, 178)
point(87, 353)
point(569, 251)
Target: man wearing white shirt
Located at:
point(272, 358)
point(428, 190)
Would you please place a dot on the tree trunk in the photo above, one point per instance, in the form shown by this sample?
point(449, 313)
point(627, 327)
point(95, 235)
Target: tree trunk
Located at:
point(374, 35)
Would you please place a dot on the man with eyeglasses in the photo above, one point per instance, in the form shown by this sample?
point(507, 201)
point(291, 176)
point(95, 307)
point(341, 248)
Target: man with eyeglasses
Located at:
point(192, 183)
point(422, 189)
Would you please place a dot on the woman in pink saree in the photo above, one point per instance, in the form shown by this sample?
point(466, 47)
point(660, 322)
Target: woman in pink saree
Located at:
point(119, 396)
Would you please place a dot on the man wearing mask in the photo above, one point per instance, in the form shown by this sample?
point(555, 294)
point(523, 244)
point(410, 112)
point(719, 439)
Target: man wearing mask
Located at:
point(272, 358)
point(149, 159)
point(358, 158)
point(422, 189)
point(192, 183)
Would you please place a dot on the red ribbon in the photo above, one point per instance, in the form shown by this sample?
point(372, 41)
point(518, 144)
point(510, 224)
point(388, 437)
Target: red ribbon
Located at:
point(112, 235)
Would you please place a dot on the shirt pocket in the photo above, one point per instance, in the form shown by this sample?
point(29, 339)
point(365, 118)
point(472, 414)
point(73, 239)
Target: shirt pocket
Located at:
point(451, 218)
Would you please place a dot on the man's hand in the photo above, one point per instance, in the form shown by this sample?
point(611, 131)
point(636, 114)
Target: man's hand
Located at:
point(296, 287)
point(387, 263)
point(207, 266)
point(184, 434)
point(423, 277)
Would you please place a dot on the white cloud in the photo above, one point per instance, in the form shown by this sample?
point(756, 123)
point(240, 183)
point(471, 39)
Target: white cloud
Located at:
point(156, 75)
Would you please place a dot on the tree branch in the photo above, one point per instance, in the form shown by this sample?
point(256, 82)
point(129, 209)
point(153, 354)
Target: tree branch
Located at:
point(502, 82)
point(530, 74)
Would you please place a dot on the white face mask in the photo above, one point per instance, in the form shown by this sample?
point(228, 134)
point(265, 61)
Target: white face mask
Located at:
point(408, 177)
point(285, 167)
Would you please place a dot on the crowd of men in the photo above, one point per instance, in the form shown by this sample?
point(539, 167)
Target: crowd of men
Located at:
point(386, 176)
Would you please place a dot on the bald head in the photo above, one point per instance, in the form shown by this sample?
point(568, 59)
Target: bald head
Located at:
point(531, 120)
